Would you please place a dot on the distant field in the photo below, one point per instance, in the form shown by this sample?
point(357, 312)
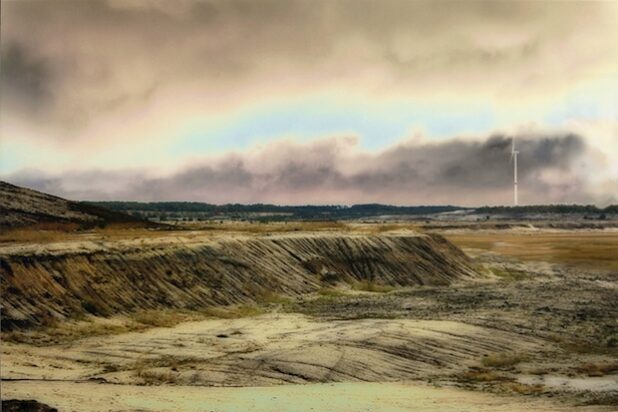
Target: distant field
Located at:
point(596, 250)
point(50, 233)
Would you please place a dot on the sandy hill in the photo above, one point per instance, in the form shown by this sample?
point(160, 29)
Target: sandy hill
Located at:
point(103, 278)
point(26, 207)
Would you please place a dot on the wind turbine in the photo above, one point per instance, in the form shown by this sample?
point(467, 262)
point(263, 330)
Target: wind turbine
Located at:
point(514, 154)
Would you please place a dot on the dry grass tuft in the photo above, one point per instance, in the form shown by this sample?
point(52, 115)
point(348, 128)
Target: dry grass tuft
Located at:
point(501, 360)
point(233, 312)
point(63, 332)
point(165, 361)
point(483, 375)
point(509, 275)
point(390, 227)
point(331, 292)
point(153, 377)
point(70, 330)
point(47, 232)
point(525, 389)
point(370, 286)
point(164, 318)
point(163, 369)
point(597, 370)
point(170, 318)
point(584, 347)
point(195, 378)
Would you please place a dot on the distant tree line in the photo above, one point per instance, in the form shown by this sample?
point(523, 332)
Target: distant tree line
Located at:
point(262, 212)
point(275, 212)
point(547, 209)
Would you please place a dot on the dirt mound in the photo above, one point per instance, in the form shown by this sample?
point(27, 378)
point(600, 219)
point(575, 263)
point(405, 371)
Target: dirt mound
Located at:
point(25, 207)
point(46, 284)
point(14, 405)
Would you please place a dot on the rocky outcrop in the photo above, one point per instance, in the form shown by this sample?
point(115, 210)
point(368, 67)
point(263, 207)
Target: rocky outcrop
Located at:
point(38, 285)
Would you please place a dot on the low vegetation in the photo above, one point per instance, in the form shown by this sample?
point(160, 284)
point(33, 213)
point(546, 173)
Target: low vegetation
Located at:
point(331, 292)
point(589, 250)
point(476, 375)
point(370, 286)
point(581, 346)
point(163, 369)
point(509, 274)
point(502, 360)
point(524, 389)
point(233, 312)
point(597, 369)
point(498, 382)
point(165, 318)
point(67, 331)
point(39, 233)
point(165, 361)
point(157, 377)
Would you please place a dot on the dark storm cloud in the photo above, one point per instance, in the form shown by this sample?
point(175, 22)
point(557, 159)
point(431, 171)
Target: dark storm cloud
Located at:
point(25, 78)
point(455, 171)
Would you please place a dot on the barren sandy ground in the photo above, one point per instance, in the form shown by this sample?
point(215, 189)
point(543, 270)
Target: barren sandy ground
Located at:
point(533, 335)
point(269, 349)
point(337, 397)
point(193, 360)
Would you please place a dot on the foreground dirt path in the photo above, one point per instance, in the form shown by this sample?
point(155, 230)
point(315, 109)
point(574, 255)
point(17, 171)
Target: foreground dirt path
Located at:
point(68, 396)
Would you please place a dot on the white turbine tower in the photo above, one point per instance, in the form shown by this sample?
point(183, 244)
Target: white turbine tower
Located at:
point(514, 154)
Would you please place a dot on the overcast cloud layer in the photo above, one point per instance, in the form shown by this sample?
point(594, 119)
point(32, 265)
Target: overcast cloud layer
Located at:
point(247, 101)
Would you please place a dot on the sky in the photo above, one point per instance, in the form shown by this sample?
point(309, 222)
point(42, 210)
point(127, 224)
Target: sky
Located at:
point(311, 102)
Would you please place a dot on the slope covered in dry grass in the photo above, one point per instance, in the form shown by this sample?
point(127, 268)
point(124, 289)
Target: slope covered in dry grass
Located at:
point(47, 282)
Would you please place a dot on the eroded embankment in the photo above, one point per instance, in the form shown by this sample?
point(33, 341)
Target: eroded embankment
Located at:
point(39, 285)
